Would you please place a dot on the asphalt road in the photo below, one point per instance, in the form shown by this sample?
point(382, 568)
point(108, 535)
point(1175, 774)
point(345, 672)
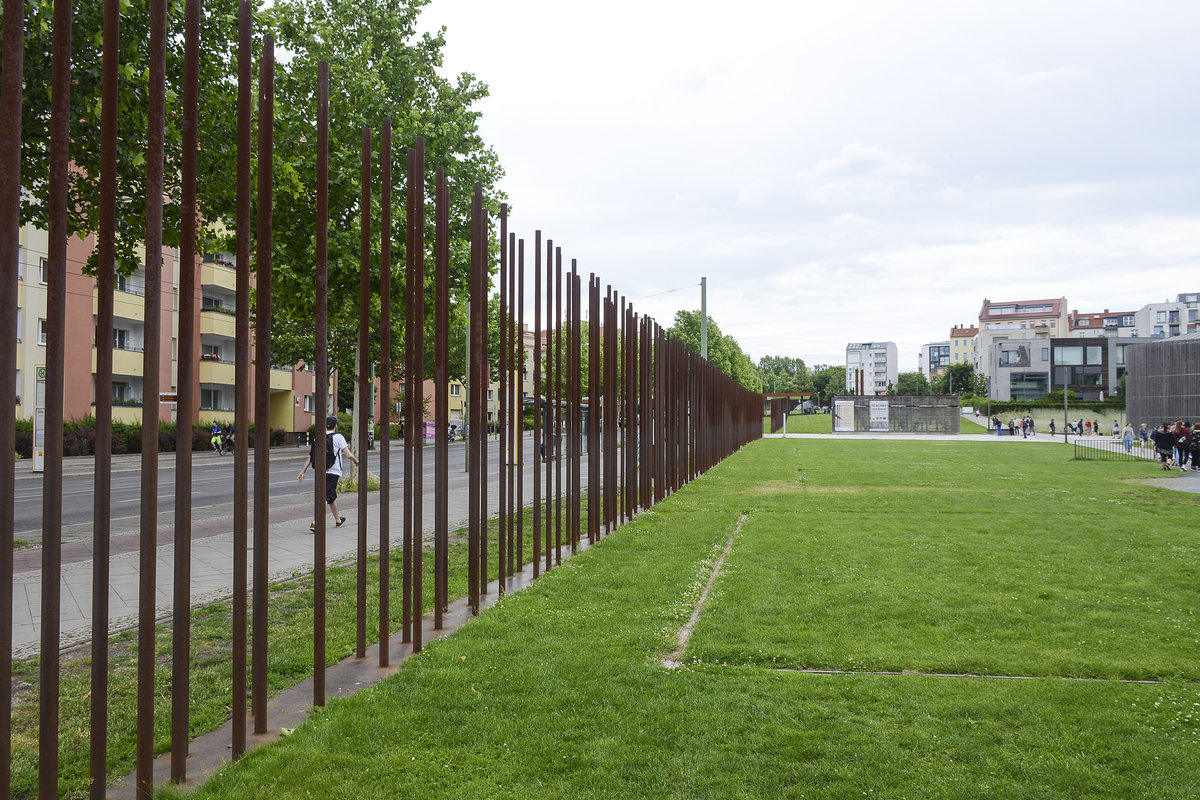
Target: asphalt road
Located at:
point(212, 487)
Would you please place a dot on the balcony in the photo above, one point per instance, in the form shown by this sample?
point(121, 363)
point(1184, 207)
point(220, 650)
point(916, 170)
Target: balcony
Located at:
point(125, 361)
point(281, 379)
point(218, 323)
point(213, 273)
point(217, 372)
point(126, 305)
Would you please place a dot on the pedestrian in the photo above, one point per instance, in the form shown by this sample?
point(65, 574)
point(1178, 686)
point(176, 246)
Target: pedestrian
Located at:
point(1079, 427)
point(1127, 437)
point(1195, 445)
point(335, 447)
point(1052, 427)
point(1164, 443)
point(1116, 429)
point(1096, 427)
point(1087, 427)
point(1143, 435)
point(215, 438)
point(1024, 427)
point(1183, 444)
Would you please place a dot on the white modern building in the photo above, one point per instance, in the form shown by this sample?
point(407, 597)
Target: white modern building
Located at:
point(934, 358)
point(871, 367)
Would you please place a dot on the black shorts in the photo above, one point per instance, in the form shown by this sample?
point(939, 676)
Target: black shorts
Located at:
point(331, 482)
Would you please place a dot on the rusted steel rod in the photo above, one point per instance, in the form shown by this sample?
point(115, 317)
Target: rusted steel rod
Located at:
point(416, 242)
point(410, 400)
point(502, 403)
point(482, 383)
point(321, 378)
point(514, 351)
point(441, 404)
point(558, 404)
point(10, 248)
point(593, 408)
point(241, 370)
point(522, 366)
point(56, 315)
point(364, 390)
point(102, 488)
point(152, 357)
point(551, 389)
point(539, 390)
point(262, 382)
point(181, 617)
point(385, 386)
point(475, 378)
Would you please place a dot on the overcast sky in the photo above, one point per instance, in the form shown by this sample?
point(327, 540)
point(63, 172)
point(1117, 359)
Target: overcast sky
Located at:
point(848, 171)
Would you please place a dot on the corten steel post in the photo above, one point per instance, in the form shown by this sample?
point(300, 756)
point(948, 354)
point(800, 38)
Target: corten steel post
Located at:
point(10, 248)
point(538, 390)
point(152, 356)
point(593, 408)
point(364, 396)
point(56, 315)
point(610, 407)
point(550, 390)
point(502, 406)
point(102, 487)
point(520, 563)
point(475, 358)
point(575, 398)
point(416, 242)
point(321, 390)
point(262, 381)
point(441, 403)
point(385, 385)
point(242, 410)
point(558, 404)
point(514, 403)
point(181, 617)
point(410, 399)
point(483, 380)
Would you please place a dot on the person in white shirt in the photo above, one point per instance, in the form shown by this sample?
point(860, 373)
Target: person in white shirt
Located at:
point(336, 443)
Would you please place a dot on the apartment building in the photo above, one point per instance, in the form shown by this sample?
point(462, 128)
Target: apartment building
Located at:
point(962, 343)
point(871, 367)
point(291, 387)
point(934, 359)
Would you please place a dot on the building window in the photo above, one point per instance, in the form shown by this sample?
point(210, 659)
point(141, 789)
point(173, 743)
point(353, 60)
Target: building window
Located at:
point(1045, 354)
point(455, 390)
point(42, 332)
point(308, 402)
point(120, 393)
point(43, 268)
point(489, 394)
point(1161, 316)
point(120, 339)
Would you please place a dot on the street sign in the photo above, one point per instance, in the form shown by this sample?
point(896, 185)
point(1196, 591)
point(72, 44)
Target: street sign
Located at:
point(168, 397)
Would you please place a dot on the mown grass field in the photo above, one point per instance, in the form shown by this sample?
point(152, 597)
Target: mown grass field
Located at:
point(893, 562)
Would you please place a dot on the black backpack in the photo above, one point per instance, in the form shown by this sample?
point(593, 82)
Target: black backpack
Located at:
point(330, 455)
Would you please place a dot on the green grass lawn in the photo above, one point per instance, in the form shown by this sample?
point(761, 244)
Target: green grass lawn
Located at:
point(858, 555)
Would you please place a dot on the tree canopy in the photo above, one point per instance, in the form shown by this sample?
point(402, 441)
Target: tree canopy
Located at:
point(380, 68)
point(784, 374)
point(724, 352)
point(910, 383)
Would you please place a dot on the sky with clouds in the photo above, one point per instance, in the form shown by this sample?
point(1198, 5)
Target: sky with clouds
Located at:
point(849, 171)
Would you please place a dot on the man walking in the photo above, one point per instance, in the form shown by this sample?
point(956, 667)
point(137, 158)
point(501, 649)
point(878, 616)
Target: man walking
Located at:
point(335, 447)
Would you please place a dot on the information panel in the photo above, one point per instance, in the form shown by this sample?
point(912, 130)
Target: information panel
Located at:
point(879, 416)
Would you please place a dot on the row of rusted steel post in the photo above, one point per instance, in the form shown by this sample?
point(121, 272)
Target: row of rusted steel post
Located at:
point(656, 416)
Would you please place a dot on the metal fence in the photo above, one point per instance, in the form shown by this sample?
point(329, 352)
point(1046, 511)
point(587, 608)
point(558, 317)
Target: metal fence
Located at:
point(659, 414)
point(1101, 448)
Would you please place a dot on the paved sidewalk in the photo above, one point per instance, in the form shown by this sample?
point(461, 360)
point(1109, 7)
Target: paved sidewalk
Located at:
point(290, 553)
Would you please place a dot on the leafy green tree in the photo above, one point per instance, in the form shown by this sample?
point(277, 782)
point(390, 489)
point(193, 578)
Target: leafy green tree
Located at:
point(910, 383)
point(724, 352)
point(828, 380)
point(380, 68)
point(958, 379)
point(784, 374)
point(217, 103)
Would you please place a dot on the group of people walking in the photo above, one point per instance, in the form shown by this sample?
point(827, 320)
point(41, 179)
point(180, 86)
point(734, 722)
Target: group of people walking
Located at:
point(1177, 445)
